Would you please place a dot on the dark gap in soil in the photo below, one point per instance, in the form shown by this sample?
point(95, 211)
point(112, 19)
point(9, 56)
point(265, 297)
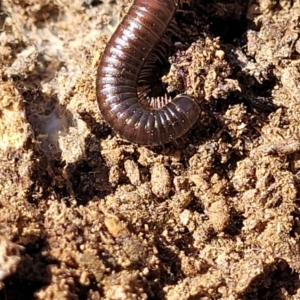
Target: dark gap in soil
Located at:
point(276, 279)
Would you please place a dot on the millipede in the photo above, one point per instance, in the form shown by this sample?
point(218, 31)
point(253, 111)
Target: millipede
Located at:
point(120, 68)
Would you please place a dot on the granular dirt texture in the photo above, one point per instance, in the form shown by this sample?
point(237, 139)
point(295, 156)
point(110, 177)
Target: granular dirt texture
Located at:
point(87, 215)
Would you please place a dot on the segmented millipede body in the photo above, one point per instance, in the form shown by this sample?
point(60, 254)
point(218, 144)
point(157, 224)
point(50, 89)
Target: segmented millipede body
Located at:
point(118, 74)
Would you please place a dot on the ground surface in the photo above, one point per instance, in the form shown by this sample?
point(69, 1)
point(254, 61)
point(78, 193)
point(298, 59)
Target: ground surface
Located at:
point(87, 215)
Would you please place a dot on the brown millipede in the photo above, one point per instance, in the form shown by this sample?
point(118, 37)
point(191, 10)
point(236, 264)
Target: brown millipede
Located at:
point(118, 75)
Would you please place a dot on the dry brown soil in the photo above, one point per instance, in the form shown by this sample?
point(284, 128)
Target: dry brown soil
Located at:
point(87, 215)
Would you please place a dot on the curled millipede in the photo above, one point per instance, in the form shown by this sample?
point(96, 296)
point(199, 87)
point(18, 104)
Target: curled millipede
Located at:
point(119, 73)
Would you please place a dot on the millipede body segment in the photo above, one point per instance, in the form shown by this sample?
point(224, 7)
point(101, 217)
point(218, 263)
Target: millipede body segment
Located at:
point(118, 74)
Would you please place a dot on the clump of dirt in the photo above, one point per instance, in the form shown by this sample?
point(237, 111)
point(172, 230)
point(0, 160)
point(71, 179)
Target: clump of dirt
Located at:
point(87, 215)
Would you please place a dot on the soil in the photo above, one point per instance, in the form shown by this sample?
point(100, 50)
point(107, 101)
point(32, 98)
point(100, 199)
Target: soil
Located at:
point(87, 215)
